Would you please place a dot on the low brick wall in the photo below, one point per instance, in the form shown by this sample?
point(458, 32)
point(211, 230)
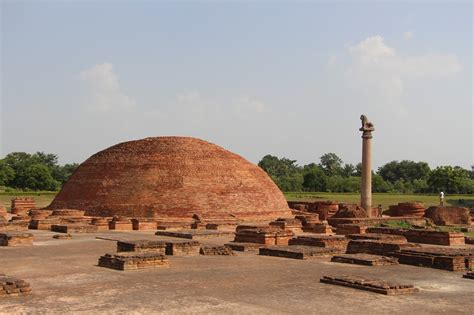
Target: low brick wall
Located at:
point(16, 239)
point(74, 228)
point(336, 242)
point(423, 236)
point(10, 286)
point(375, 247)
point(439, 258)
point(142, 246)
point(261, 235)
point(133, 261)
point(183, 248)
point(216, 251)
point(345, 229)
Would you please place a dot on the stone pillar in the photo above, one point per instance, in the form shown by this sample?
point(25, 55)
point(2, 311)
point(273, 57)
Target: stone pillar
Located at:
point(366, 180)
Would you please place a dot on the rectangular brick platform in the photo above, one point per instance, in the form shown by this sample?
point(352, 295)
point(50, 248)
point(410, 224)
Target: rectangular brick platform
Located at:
point(387, 238)
point(372, 285)
point(296, 251)
point(216, 251)
point(133, 261)
point(263, 235)
point(329, 241)
point(423, 236)
point(244, 247)
point(318, 228)
point(376, 247)
point(15, 238)
point(10, 286)
point(469, 275)
point(365, 259)
point(288, 224)
point(74, 228)
point(451, 259)
point(142, 246)
point(183, 248)
point(344, 229)
point(194, 234)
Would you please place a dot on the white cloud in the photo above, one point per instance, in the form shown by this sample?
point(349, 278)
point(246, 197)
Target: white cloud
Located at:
point(408, 35)
point(103, 91)
point(380, 71)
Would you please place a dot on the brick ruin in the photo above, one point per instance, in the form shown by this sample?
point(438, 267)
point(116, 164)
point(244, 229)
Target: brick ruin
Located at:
point(21, 206)
point(170, 179)
point(14, 238)
point(132, 261)
point(449, 215)
point(372, 285)
point(407, 209)
point(263, 235)
point(216, 251)
point(10, 286)
point(365, 259)
point(142, 246)
point(423, 236)
point(296, 251)
point(450, 259)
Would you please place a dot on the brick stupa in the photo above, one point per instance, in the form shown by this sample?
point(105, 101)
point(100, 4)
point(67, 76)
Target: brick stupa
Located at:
point(172, 177)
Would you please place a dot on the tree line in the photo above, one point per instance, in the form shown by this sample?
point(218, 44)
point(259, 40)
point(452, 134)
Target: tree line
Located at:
point(41, 171)
point(38, 171)
point(331, 174)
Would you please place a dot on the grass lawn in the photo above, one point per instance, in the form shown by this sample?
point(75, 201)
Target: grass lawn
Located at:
point(384, 199)
point(42, 198)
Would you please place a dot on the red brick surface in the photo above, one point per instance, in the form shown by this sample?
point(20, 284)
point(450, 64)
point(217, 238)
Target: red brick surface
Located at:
point(172, 177)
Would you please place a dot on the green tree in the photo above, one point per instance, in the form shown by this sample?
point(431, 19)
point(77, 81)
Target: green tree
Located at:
point(286, 174)
point(331, 164)
point(405, 170)
point(348, 170)
point(6, 173)
point(315, 179)
point(19, 162)
point(38, 177)
point(62, 173)
point(379, 184)
point(448, 179)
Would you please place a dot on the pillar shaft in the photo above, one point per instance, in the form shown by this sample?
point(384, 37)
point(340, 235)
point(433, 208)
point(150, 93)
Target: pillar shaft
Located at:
point(366, 182)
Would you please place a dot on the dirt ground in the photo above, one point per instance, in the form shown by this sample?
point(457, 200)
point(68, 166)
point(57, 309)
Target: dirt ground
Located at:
point(66, 279)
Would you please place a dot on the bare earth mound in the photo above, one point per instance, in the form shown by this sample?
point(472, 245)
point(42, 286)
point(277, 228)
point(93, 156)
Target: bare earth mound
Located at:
point(172, 177)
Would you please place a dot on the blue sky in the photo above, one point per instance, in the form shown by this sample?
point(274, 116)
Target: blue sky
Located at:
point(283, 78)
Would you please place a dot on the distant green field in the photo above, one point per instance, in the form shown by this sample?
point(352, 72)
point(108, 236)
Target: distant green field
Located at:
point(384, 199)
point(42, 198)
